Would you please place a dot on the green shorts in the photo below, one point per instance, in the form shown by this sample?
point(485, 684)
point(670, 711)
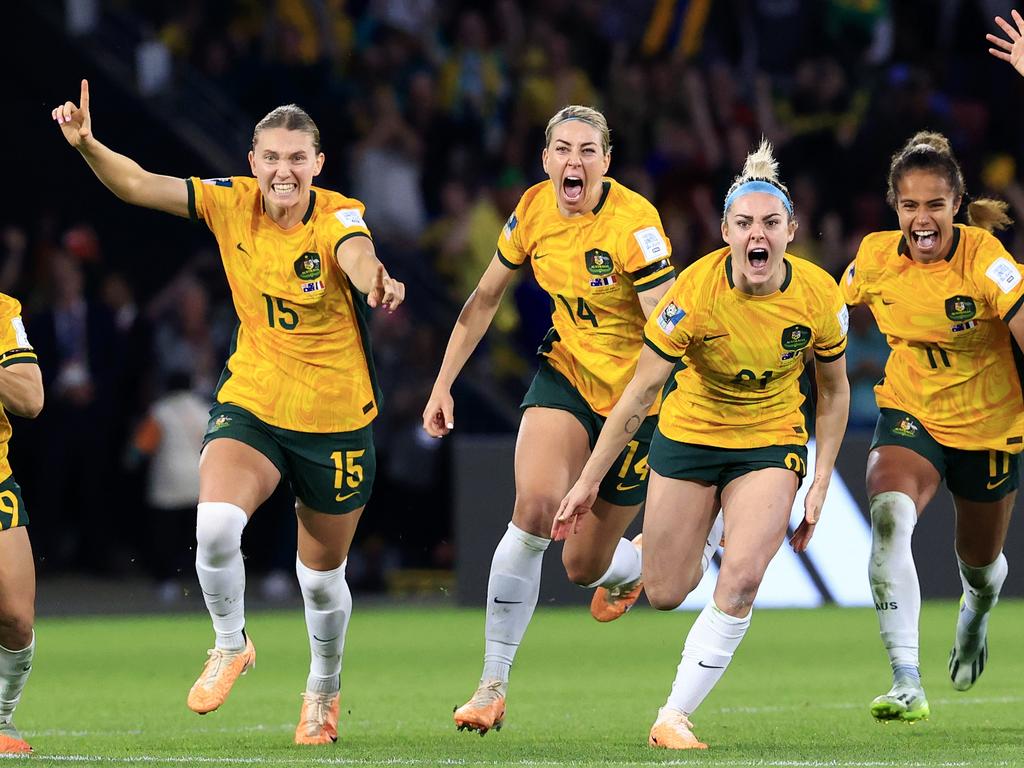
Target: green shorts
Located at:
point(626, 482)
point(330, 472)
point(12, 507)
point(972, 475)
point(720, 466)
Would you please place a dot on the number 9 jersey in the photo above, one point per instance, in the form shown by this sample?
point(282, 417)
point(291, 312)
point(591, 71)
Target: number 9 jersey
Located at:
point(300, 357)
point(953, 363)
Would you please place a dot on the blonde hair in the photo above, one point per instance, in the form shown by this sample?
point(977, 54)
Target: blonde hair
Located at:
point(760, 165)
point(930, 151)
point(587, 115)
point(291, 117)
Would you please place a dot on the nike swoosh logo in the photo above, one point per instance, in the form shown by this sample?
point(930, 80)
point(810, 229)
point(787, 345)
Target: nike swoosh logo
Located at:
point(990, 485)
point(540, 256)
point(887, 302)
point(499, 601)
point(716, 336)
point(321, 640)
point(339, 497)
point(239, 247)
point(707, 666)
point(621, 487)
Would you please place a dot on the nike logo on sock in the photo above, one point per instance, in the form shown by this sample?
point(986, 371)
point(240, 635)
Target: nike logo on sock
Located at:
point(707, 666)
point(321, 640)
point(507, 602)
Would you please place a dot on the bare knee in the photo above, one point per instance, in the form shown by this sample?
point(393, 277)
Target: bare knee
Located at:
point(736, 596)
point(581, 567)
point(16, 629)
point(665, 597)
point(534, 513)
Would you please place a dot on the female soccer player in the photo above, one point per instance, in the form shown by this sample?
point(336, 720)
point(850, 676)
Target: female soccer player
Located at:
point(600, 252)
point(734, 430)
point(947, 297)
point(298, 392)
point(21, 393)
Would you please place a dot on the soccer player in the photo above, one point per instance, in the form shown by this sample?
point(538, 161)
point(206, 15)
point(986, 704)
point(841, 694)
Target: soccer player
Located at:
point(298, 392)
point(600, 252)
point(21, 393)
point(733, 431)
point(1011, 49)
point(947, 297)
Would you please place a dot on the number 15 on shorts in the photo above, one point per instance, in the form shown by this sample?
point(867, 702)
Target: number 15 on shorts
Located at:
point(348, 473)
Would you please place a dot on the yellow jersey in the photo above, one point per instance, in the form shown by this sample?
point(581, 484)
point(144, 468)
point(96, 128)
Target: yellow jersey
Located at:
point(14, 348)
point(592, 266)
point(300, 357)
point(953, 363)
point(744, 354)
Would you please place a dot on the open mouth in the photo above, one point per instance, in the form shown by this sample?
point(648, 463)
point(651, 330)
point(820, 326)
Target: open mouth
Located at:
point(925, 239)
point(284, 189)
point(572, 188)
point(758, 258)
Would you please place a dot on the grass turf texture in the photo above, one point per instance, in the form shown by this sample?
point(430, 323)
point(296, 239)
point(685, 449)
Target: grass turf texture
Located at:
point(112, 691)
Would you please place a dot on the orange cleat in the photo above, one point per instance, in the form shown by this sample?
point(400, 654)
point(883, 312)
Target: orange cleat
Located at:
point(486, 710)
point(672, 730)
point(11, 743)
point(222, 669)
point(610, 603)
point(318, 720)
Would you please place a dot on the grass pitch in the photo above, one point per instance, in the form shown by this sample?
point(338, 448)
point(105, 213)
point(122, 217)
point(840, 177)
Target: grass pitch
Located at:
point(111, 691)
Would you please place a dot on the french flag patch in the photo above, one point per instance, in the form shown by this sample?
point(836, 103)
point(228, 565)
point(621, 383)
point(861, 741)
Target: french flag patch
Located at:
point(316, 285)
point(598, 282)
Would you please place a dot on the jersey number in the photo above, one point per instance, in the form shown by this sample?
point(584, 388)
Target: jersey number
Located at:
point(285, 317)
point(746, 376)
point(583, 312)
point(795, 463)
point(9, 504)
point(347, 469)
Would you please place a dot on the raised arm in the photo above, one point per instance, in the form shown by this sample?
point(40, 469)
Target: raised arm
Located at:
point(473, 322)
point(652, 370)
point(121, 175)
point(1010, 49)
point(829, 427)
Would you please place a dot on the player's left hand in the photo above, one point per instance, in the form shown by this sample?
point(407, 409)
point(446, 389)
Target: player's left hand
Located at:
point(386, 291)
point(813, 503)
point(577, 502)
point(1012, 48)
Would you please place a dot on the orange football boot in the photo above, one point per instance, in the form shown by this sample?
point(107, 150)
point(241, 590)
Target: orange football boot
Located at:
point(485, 710)
point(610, 603)
point(221, 671)
point(318, 720)
point(673, 730)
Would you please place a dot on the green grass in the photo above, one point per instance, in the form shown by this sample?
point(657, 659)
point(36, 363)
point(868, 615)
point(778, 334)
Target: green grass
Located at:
point(112, 691)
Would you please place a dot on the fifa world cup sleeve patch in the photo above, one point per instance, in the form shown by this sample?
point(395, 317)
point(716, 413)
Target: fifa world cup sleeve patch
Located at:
point(19, 332)
point(350, 217)
point(843, 316)
point(652, 244)
point(1003, 273)
point(670, 317)
point(510, 226)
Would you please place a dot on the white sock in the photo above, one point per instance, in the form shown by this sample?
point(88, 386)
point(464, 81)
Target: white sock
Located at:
point(709, 647)
point(893, 576)
point(512, 591)
point(711, 545)
point(328, 603)
point(15, 667)
point(624, 569)
point(981, 593)
point(221, 571)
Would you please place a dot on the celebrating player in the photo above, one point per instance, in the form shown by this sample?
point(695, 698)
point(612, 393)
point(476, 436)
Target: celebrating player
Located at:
point(734, 430)
point(947, 297)
point(1011, 49)
point(298, 392)
point(600, 252)
point(21, 393)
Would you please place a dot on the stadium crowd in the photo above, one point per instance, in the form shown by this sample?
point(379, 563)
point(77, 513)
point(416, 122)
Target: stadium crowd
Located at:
point(433, 115)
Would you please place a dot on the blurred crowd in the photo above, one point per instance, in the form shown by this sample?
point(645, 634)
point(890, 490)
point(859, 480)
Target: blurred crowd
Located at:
point(432, 113)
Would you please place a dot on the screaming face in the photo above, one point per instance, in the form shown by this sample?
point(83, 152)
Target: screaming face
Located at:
point(926, 206)
point(576, 164)
point(757, 229)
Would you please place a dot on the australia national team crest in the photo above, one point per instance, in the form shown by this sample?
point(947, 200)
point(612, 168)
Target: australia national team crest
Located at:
point(307, 266)
point(906, 427)
point(220, 422)
point(599, 262)
point(796, 337)
point(960, 308)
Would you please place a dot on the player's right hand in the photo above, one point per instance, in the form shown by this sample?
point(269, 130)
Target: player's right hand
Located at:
point(74, 121)
point(1011, 48)
point(439, 415)
point(577, 502)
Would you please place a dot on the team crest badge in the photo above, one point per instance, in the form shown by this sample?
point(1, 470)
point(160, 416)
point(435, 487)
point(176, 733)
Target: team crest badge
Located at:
point(220, 422)
point(960, 308)
point(599, 262)
point(906, 428)
point(796, 337)
point(307, 266)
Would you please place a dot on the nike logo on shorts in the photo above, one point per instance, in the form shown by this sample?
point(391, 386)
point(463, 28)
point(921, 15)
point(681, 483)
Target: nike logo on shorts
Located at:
point(991, 486)
point(339, 497)
point(621, 487)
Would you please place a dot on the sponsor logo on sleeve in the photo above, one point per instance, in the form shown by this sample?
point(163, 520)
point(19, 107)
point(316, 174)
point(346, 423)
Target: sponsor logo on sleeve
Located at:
point(350, 217)
point(670, 317)
point(19, 332)
point(307, 266)
point(960, 308)
point(652, 244)
point(599, 262)
point(1003, 273)
point(843, 316)
point(510, 225)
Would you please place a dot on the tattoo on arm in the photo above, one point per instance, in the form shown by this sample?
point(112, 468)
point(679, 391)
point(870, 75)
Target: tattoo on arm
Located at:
point(633, 424)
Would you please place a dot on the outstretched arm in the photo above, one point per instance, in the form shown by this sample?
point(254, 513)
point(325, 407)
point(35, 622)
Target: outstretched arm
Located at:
point(121, 175)
point(359, 260)
point(1011, 48)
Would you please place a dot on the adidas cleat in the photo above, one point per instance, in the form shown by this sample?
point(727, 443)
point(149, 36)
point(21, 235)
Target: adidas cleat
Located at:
point(905, 701)
point(969, 656)
point(486, 710)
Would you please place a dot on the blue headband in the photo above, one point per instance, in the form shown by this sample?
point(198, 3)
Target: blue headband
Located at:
point(758, 186)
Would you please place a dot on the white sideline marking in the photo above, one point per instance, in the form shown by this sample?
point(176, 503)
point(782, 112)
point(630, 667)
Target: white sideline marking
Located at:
point(971, 701)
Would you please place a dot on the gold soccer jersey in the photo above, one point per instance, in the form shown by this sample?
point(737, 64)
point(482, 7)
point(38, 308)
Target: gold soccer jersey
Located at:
point(300, 358)
point(592, 266)
point(14, 348)
point(952, 361)
point(744, 354)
